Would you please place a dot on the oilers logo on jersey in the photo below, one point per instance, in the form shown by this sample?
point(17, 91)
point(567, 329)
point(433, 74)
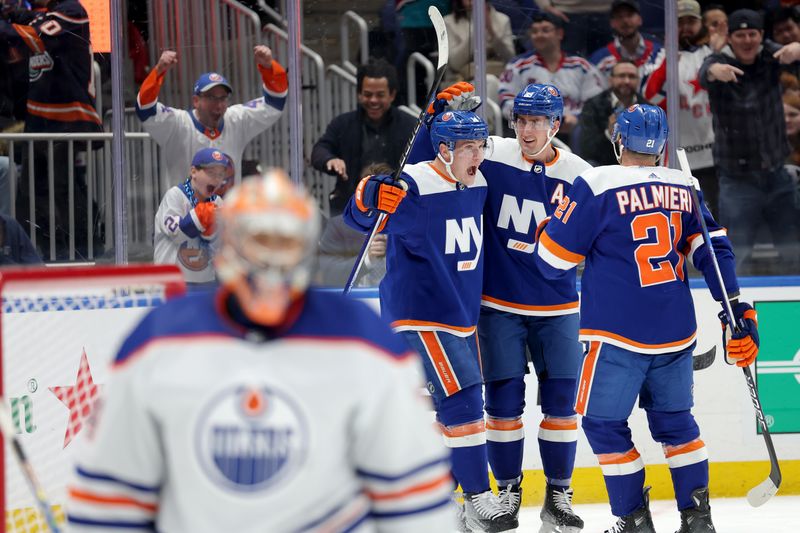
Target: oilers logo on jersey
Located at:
point(250, 438)
point(39, 64)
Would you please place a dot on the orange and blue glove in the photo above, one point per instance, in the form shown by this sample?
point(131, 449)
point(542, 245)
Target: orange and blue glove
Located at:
point(740, 347)
point(458, 97)
point(379, 192)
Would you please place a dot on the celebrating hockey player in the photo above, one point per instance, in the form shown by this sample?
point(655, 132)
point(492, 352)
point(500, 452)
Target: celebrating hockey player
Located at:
point(431, 291)
point(211, 122)
point(527, 178)
point(185, 230)
point(635, 225)
point(263, 405)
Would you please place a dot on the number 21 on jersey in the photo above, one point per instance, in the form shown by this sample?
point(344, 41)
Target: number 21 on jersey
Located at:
point(652, 257)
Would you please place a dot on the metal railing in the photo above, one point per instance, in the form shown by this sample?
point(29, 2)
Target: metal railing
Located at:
point(415, 59)
point(95, 168)
point(341, 90)
point(348, 17)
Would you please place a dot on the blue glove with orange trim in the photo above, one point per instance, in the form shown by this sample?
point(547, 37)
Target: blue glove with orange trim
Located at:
point(379, 192)
point(458, 97)
point(740, 347)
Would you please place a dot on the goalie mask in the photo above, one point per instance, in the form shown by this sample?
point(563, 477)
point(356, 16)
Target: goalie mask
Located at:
point(269, 230)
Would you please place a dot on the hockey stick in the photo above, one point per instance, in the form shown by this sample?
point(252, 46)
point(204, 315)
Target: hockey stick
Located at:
point(702, 361)
point(441, 67)
point(10, 434)
point(762, 492)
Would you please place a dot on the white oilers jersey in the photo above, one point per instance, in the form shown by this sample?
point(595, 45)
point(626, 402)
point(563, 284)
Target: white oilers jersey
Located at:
point(521, 195)
point(577, 79)
point(696, 129)
point(172, 245)
point(317, 426)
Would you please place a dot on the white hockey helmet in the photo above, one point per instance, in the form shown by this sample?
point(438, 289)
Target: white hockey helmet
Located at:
point(269, 230)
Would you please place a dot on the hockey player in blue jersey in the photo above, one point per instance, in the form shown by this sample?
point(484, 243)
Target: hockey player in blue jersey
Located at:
point(431, 291)
point(635, 226)
point(521, 311)
point(264, 405)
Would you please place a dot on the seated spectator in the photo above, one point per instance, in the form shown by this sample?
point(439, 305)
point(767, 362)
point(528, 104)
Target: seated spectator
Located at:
point(696, 133)
point(211, 122)
point(791, 113)
point(628, 42)
point(185, 231)
point(15, 246)
point(376, 132)
point(499, 43)
point(586, 23)
point(339, 246)
point(600, 114)
point(750, 146)
point(575, 77)
point(790, 84)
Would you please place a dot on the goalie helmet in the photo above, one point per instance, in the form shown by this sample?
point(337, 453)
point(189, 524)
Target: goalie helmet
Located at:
point(452, 126)
point(269, 229)
point(539, 100)
point(641, 128)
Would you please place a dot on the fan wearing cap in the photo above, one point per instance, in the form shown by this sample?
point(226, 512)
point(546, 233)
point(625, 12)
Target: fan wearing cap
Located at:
point(185, 229)
point(696, 133)
point(211, 122)
point(750, 146)
point(628, 43)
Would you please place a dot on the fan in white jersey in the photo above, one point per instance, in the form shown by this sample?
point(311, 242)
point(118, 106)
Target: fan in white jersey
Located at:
point(211, 121)
point(184, 223)
point(264, 405)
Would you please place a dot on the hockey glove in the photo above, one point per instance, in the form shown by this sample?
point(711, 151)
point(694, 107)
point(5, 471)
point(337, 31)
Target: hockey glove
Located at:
point(458, 97)
point(204, 215)
point(379, 192)
point(740, 348)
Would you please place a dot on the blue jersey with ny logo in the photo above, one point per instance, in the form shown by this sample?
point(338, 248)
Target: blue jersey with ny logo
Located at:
point(521, 195)
point(434, 258)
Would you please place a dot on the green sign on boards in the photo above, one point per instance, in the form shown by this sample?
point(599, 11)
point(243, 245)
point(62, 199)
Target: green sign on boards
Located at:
point(778, 365)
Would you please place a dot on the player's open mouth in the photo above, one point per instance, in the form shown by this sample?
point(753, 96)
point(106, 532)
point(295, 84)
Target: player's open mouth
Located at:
point(471, 171)
point(210, 189)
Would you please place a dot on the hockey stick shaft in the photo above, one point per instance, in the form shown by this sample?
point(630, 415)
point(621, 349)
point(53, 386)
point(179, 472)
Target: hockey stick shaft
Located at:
point(10, 434)
point(761, 493)
point(441, 68)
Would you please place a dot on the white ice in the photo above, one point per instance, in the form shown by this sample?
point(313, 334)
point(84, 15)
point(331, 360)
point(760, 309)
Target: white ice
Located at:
point(781, 514)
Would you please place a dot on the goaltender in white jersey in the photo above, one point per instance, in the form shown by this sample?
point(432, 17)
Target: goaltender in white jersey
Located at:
point(263, 406)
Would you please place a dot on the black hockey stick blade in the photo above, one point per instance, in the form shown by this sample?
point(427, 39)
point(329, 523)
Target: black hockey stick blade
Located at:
point(704, 360)
point(443, 47)
point(762, 492)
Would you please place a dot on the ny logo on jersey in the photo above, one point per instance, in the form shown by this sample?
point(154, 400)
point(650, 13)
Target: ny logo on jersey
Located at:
point(520, 216)
point(461, 234)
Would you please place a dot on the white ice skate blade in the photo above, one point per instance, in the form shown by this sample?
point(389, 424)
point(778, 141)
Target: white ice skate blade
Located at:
point(553, 528)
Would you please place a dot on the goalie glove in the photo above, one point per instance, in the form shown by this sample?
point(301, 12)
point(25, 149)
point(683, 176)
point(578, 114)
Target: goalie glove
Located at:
point(379, 192)
point(741, 348)
point(458, 97)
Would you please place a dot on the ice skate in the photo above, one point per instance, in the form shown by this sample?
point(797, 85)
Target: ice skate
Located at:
point(639, 521)
point(511, 497)
point(485, 514)
point(557, 514)
point(697, 519)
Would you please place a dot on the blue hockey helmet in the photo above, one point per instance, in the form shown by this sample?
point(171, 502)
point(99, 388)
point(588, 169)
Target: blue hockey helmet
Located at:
point(452, 126)
point(642, 128)
point(540, 100)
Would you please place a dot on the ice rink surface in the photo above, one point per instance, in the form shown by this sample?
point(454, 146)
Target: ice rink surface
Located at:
point(731, 515)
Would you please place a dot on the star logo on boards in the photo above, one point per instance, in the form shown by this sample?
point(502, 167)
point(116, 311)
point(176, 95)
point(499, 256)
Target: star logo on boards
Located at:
point(79, 399)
